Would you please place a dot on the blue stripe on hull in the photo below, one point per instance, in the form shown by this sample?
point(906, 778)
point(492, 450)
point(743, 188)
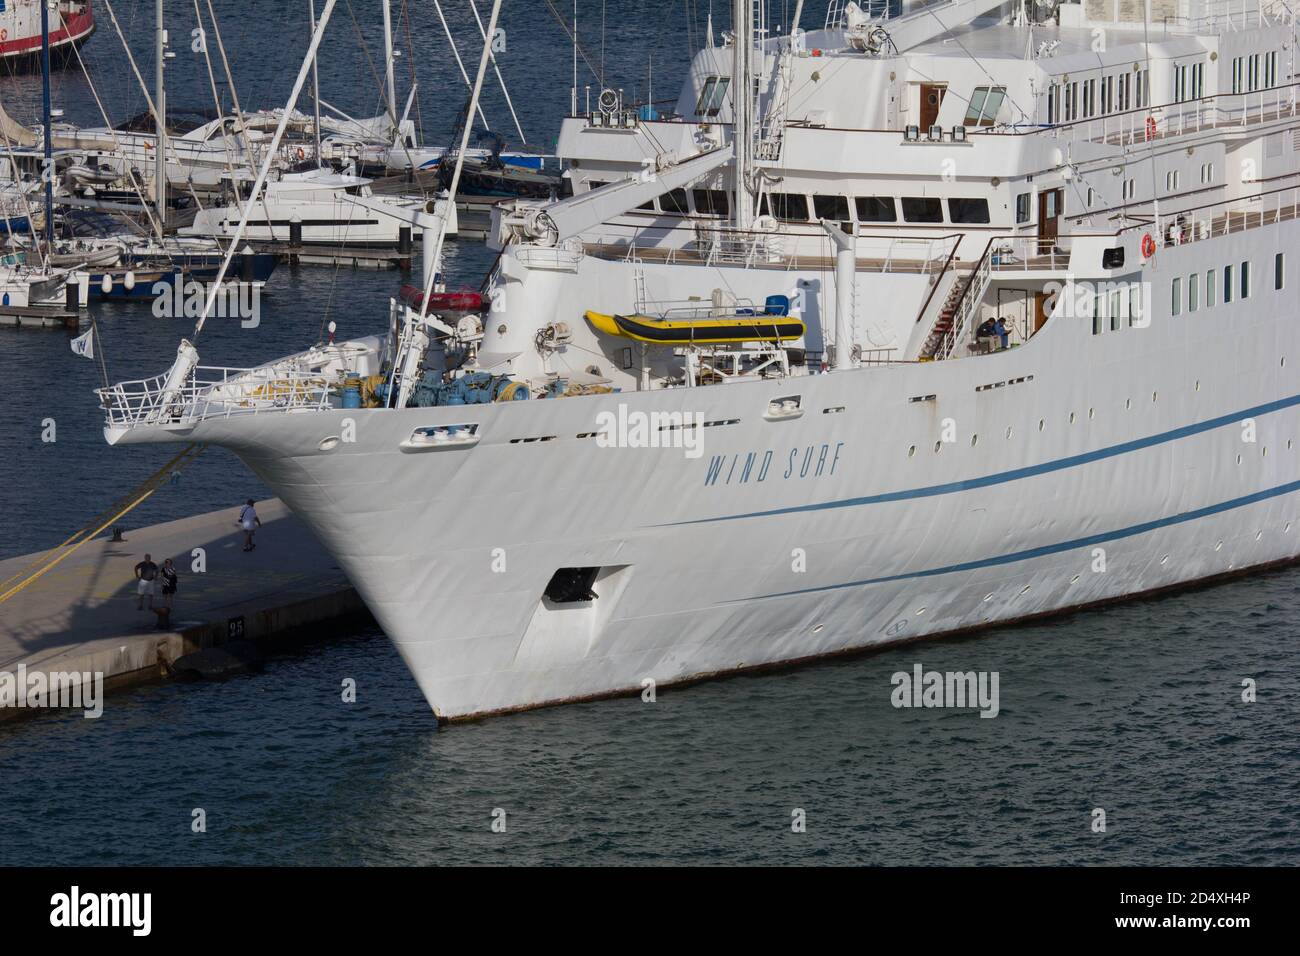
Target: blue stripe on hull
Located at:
point(1016, 474)
point(1048, 549)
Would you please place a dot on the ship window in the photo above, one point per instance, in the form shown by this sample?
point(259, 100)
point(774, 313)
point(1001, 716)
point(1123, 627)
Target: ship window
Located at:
point(594, 184)
point(648, 204)
point(1227, 284)
point(712, 96)
point(968, 211)
point(1245, 280)
point(1022, 208)
point(710, 202)
point(1209, 288)
point(922, 209)
point(674, 201)
point(790, 207)
point(876, 209)
point(1115, 306)
point(1279, 271)
point(831, 207)
point(984, 105)
point(572, 585)
point(1176, 297)
point(1135, 304)
point(1193, 292)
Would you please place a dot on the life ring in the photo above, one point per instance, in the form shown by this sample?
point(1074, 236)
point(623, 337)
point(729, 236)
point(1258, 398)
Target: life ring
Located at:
point(1148, 246)
point(302, 154)
point(4, 35)
point(1151, 127)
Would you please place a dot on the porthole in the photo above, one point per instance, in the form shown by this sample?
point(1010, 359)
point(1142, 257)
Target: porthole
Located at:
point(974, 440)
point(1009, 431)
point(1284, 361)
point(989, 596)
point(911, 452)
point(1258, 535)
point(1128, 403)
point(937, 446)
point(1025, 589)
point(1287, 529)
point(1218, 545)
point(920, 611)
point(1263, 452)
point(818, 628)
point(1198, 385)
point(1041, 424)
point(1165, 559)
point(1092, 413)
point(1071, 418)
point(1239, 459)
point(1154, 395)
point(1075, 579)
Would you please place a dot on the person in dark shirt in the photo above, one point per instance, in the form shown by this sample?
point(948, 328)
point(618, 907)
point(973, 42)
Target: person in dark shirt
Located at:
point(145, 574)
point(168, 575)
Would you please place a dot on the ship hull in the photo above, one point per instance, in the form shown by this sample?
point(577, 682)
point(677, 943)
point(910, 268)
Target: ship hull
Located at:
point(1082, 469)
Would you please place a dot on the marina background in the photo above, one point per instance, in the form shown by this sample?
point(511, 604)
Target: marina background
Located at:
point(1135, 709)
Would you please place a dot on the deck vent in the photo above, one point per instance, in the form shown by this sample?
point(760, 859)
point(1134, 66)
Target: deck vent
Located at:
point(571, 585)
point(935, 134)
point(912, 133)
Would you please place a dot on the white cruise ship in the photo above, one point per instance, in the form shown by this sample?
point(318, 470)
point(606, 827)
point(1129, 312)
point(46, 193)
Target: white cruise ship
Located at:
point(772, 414)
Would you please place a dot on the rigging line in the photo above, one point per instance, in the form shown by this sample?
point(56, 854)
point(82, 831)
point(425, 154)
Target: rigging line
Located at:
point(992, 79)
point(216, 101)
point(497, 70)
point(410, 52)
point(240, 124)
point(266, 163)
point(135, 69)
point(437, 5)
point(582, 51)
point(361, 41)
point(137, 185)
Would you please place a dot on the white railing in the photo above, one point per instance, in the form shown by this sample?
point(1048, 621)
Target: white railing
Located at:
point(1211, 222)
point(971, 297)
point(1134, 127)
point(211, 392)
point(1027, 254)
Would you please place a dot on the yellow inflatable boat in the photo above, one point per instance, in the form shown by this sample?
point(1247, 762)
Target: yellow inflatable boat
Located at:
point(706, 330)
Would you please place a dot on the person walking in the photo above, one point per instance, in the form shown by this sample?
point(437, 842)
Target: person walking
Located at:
point(145, 573)
point(167, 573)
point(250, 522)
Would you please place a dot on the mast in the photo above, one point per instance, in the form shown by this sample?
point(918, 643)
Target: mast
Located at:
point(45, 105)
point(315, 81)
point(160, 119)
point(388, 64)
point(742, 106)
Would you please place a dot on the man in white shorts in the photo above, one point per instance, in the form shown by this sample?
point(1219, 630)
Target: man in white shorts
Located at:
point(146, 573)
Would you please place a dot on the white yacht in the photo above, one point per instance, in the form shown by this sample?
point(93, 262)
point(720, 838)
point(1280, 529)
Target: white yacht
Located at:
point(932, 319)
point(329, 208)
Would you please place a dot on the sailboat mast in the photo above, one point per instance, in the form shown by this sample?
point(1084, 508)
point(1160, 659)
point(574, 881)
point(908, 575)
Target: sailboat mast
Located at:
point(45, 104)
point(742, 103)
point(160, 120)
point(388, 63)
point(315, 81)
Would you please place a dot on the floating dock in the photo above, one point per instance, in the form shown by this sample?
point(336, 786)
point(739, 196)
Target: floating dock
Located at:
point(39, 316)
point(81, 616)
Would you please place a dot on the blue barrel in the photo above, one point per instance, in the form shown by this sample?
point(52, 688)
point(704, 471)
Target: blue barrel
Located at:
point(352, 393)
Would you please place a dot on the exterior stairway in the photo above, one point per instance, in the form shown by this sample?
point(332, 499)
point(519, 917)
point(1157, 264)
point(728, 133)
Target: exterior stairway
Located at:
point(943, 324)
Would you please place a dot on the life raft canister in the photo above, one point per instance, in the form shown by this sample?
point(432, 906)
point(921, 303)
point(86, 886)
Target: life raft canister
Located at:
point(1148, 246)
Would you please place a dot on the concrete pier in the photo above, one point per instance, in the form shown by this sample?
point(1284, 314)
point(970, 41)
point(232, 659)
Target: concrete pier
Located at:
point(81, 615)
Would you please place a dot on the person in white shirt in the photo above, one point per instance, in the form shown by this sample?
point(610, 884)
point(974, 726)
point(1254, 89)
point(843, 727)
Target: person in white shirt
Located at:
point(250, 522)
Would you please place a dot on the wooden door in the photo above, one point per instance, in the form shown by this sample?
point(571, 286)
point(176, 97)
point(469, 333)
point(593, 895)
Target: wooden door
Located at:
point(931, 98)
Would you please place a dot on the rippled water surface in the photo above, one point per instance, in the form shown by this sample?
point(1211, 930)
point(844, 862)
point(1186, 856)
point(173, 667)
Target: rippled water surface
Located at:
point(1136, 710)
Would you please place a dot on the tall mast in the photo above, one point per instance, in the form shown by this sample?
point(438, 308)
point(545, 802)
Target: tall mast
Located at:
point(45, 105)
point(742, 106)
point(388, 63)
point(160, 120)
point(315, 81)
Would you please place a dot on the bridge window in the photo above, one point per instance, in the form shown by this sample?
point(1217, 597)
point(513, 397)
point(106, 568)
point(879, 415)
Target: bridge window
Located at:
point(1270, 69)
point(710, 202)
point(922, 209)
point(968, 211)
point(789, 207)
point(712, 96)
point(831, 207)
point(674, 201)
point(984, 105)
point(876, 209)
